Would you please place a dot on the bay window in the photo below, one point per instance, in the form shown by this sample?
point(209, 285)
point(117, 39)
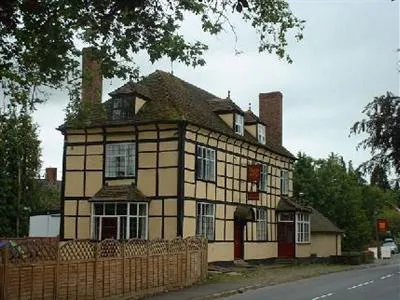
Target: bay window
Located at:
point(119, 221)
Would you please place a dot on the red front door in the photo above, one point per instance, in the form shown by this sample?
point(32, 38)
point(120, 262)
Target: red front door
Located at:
point(238, 240)
point(286, 241)
point(109, 228)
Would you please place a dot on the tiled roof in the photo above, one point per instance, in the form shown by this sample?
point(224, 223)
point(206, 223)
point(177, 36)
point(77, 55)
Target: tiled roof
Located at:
point(174, 99)
point(251, 118)
point(223, 105)
point(131, 87)
point(287, 204)
point(320, 223)
point(127, 193)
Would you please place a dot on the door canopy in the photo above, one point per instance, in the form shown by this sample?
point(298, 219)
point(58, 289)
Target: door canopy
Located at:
point(245, 214)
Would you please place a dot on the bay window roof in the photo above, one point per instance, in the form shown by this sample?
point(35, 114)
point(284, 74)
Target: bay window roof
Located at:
point(112, 193)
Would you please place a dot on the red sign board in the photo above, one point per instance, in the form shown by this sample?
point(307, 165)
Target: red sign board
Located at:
point(253, 196)
point(382, 225)
point(253, 173)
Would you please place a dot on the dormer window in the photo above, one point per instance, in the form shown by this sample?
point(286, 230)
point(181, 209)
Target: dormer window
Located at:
point(239, 124)
point(122, 108)
point(261, 133)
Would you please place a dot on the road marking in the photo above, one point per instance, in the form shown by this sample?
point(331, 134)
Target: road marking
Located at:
point(386, 276)
point(360, 285)
point(322, 296)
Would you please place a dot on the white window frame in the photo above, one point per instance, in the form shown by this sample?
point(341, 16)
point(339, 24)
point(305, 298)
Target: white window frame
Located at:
point(261, 225)
point(130, 216)
point(205, 222)
point(239, 124)
point(112, 156)
point(284, 182)
point(303, 230)
point(261, 133)
point(205, 163)
point(263, 184)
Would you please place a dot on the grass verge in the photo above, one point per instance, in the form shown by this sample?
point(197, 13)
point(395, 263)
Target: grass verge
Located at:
point(269, 275)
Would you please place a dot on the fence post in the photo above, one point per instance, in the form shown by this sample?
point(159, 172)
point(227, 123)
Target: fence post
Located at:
point(5, 259)
point(205, 257)
point(166, 268)
point(147, 265)
point(122, 243)
point(188, 264)
point(57, 271)
point(96, 254)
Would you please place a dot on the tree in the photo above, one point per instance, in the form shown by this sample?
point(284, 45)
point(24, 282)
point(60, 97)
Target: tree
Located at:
point(304, 175)
point(393, 218)
point(379, 178)
point(20, 163)
point(336, 192)
point(41, 40)
point(382, 127)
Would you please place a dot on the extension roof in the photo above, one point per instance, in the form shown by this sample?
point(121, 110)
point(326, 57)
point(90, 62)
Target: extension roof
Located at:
point(290, 204)
point(173, 99)
point(320, 223)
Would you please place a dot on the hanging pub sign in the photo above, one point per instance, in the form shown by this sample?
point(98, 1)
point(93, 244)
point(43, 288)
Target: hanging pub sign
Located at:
point(253, 173)
point(253, 178)
point(382, 225)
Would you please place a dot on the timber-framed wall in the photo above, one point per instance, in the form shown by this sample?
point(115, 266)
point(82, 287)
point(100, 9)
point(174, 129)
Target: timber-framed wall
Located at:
point(166, 174)
point(230, 190)
point(156, 175)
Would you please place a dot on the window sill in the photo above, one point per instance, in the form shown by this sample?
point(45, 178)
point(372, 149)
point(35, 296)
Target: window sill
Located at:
point(303, 243)
point(119, 177)
point(206, 180)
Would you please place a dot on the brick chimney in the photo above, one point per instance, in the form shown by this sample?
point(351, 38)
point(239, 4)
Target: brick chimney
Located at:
point(51, 175)
point(92, 80)
point(270, 112)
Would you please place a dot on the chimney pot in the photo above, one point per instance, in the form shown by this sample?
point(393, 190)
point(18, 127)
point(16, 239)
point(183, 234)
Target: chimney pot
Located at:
point(51, 175)
point(270, 112)
point(92, 80)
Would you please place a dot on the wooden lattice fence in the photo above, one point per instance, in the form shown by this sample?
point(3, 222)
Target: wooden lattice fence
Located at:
point(82, 269)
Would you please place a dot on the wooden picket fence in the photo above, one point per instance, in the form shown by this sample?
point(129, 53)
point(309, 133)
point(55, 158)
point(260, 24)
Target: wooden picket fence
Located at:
point(82, 269)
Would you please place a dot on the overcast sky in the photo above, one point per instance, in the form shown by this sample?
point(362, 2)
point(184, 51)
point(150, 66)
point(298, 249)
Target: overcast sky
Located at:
point(348, 56)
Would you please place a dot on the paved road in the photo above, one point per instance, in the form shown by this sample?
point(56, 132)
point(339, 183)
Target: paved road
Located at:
point(377, 283)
